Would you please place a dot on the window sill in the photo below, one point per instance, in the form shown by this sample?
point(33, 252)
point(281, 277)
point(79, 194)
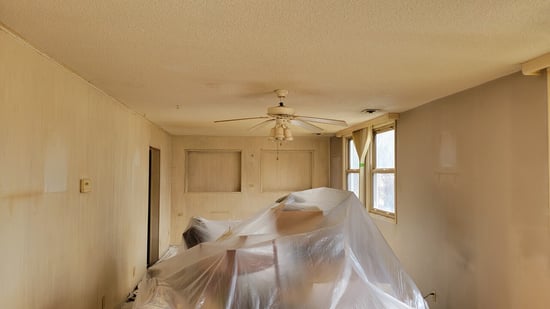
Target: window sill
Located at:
point(384, 216)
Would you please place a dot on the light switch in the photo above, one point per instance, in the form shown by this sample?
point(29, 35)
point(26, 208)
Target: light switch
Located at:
point(85, 185)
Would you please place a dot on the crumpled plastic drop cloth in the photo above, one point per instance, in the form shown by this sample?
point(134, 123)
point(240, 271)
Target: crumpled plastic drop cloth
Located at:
point(315, 249)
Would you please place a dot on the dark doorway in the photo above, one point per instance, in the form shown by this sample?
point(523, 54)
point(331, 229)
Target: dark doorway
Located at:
point(154, 207)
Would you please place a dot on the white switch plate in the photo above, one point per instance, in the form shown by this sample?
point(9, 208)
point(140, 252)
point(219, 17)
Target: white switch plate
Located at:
point(85, 185)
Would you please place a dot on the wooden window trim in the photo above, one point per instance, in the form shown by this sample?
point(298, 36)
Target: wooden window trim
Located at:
point(372, 170)
point(347, 140)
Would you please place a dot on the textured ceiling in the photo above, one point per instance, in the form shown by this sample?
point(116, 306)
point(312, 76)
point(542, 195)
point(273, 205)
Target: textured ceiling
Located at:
point(223, 59)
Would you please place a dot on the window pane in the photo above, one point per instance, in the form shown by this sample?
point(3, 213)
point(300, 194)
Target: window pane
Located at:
point(385, 149)
point(353, 158)
point(353, 183)
point(384, 192)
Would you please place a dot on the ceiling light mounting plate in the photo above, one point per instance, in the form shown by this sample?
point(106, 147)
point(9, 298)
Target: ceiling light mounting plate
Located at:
point(281, 93)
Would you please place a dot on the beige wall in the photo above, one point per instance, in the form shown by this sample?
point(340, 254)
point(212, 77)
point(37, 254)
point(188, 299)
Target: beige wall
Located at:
point(472, 189)
point(61, 248)
point(235, 205)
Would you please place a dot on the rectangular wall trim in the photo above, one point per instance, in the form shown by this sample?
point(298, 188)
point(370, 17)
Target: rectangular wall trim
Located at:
point(213, 170)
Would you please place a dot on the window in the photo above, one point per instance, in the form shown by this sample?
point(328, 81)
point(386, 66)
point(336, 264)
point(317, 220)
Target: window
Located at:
point(372, 178)
point(382, 172)
point(352, 167)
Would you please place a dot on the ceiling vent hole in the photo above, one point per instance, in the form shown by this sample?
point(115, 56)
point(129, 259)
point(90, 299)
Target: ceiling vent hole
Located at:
point(370, 110)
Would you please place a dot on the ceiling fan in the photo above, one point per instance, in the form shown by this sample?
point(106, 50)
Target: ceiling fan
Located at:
point(283, 116)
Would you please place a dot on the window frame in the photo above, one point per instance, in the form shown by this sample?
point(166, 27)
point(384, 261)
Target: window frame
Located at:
point(347, 169)
point(372, 170)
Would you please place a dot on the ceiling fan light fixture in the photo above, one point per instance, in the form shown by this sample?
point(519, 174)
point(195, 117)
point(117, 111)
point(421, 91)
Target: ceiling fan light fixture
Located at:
point(279, 133)
point(288, 135)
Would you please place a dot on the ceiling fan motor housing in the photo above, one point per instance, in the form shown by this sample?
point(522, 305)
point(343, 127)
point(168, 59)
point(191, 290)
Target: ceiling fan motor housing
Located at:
point(280, 111)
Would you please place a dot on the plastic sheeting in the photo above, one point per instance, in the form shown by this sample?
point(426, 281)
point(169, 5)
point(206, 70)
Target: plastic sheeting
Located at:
point(316, 249)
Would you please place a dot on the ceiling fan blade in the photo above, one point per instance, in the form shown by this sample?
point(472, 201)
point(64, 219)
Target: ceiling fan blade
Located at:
point(238, 119)
point(305, 125)
point(324, 120)
point(261, 124)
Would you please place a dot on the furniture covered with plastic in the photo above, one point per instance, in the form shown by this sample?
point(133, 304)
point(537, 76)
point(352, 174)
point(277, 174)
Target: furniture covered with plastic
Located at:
point(315, 249)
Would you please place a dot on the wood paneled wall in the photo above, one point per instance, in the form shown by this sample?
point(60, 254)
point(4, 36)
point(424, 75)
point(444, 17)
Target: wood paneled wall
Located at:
point(61, 248)
point(286, 170)
point(336, 163)
point(255, 151)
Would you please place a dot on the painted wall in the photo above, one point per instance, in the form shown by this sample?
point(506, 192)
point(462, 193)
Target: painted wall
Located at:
point(472, 190)
point(61, 248)
point(235, 205)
